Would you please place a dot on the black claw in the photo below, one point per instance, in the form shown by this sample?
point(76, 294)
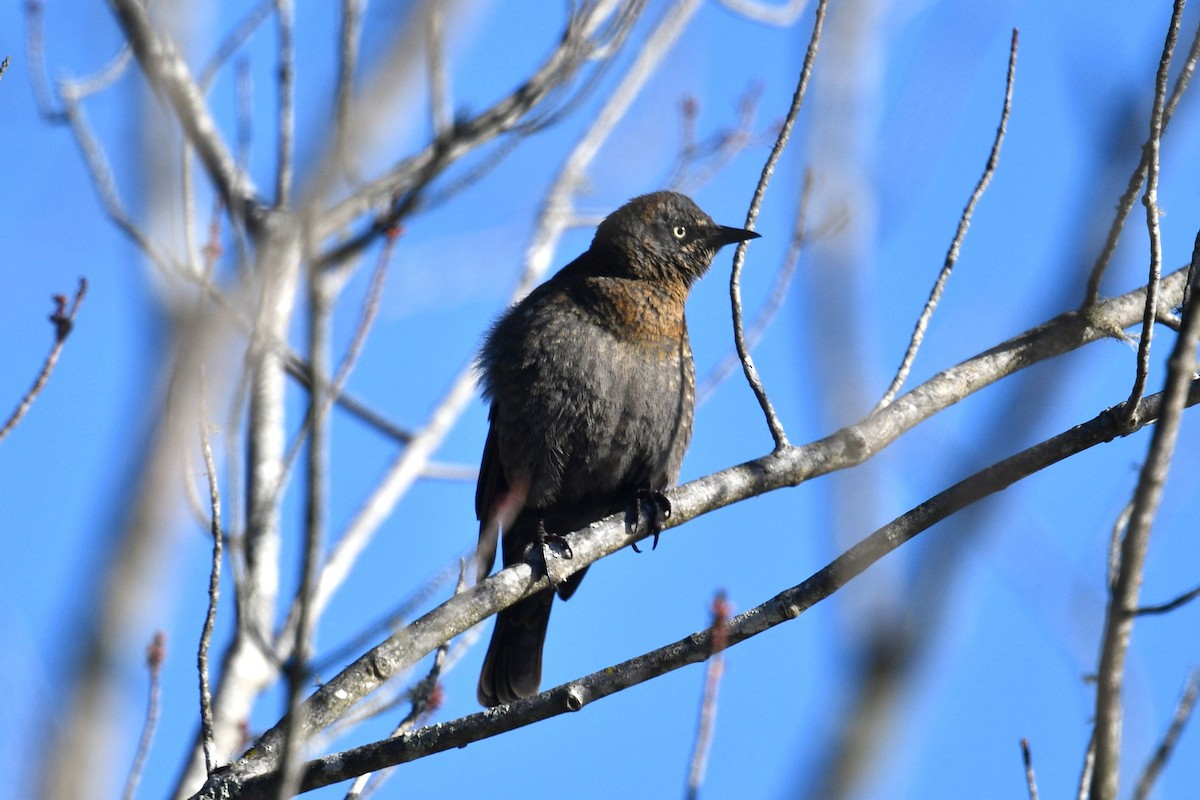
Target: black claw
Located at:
point(659, 513)
point(547, 540)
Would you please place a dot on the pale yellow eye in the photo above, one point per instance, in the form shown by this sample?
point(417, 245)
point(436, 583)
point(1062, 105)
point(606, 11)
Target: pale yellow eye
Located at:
point(679, 231)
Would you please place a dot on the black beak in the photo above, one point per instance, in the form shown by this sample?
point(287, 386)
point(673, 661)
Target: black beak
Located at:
point(724, 235)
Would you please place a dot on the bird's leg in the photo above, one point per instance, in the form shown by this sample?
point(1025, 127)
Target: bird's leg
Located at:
point(659, 513)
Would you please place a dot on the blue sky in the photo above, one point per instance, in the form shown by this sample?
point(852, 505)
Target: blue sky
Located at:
point(1019, 616)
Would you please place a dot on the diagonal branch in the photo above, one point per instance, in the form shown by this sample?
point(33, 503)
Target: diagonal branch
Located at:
point(64, 322)
point(783, 467)
point(785, 606)
point(165, 69)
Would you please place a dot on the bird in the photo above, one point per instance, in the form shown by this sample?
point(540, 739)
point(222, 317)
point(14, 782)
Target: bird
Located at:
point(591, 386)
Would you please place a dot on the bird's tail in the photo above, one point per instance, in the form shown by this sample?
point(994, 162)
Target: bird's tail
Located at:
point(512, 668)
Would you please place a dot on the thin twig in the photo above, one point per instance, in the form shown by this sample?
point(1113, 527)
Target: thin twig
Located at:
point(105, 182)
point(1162, 754)
point(287, 104)
point(708, 705)
point(770, 307)
point(64, 322)
point(238, 36)
point(1150, 201)
point(1030, 778)
point(1118, 623)
point(4, 66)
point(156, 652)
point(214, 593)
point(739, 256)
point(964, 222)
point(1125, 204)
point(1170, 606)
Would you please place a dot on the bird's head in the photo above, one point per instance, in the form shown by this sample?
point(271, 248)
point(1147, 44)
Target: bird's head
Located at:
point(663, 236)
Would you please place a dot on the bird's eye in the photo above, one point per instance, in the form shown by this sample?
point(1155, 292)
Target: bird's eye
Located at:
point(679, 231)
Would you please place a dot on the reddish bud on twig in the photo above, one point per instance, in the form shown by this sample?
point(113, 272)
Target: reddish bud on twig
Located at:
point(156, 651)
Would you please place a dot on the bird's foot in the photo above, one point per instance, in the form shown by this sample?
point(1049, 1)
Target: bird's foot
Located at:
point(656, 509)
point(552, 542)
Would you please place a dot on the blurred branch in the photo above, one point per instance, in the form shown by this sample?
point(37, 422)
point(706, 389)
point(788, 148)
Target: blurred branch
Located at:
point(1125, 204)
point(64, 322)
point(780, 16)
point(964, 222)
point(1150, 201)
point(247, 780)
point(786, 466)
point(166, 71)
point(286, 76)
point(708, 705)
point(739, 256)
point(238, 36)
point(156, 652)
point(1162, 754)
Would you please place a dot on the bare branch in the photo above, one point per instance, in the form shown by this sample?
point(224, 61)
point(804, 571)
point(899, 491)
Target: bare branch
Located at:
point(788, 605)
point(708, 705)
point(156, 652)
point(237, 37)
point(964, 222)
point(287, 104)
point(1030, 778)
point(775, 297)
point(1150, 201)
point(63, 321)
point(1125, 204)
point(414, 173)
point(1162, 754)
point(214, 592)
point(1168, 607)
point(167, 72)
point(780, 16)
point(439, 89)
point(739, 256)
point(1118, 624)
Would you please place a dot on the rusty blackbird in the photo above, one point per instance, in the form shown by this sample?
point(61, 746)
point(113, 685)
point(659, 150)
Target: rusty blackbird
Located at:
point(592, 388)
